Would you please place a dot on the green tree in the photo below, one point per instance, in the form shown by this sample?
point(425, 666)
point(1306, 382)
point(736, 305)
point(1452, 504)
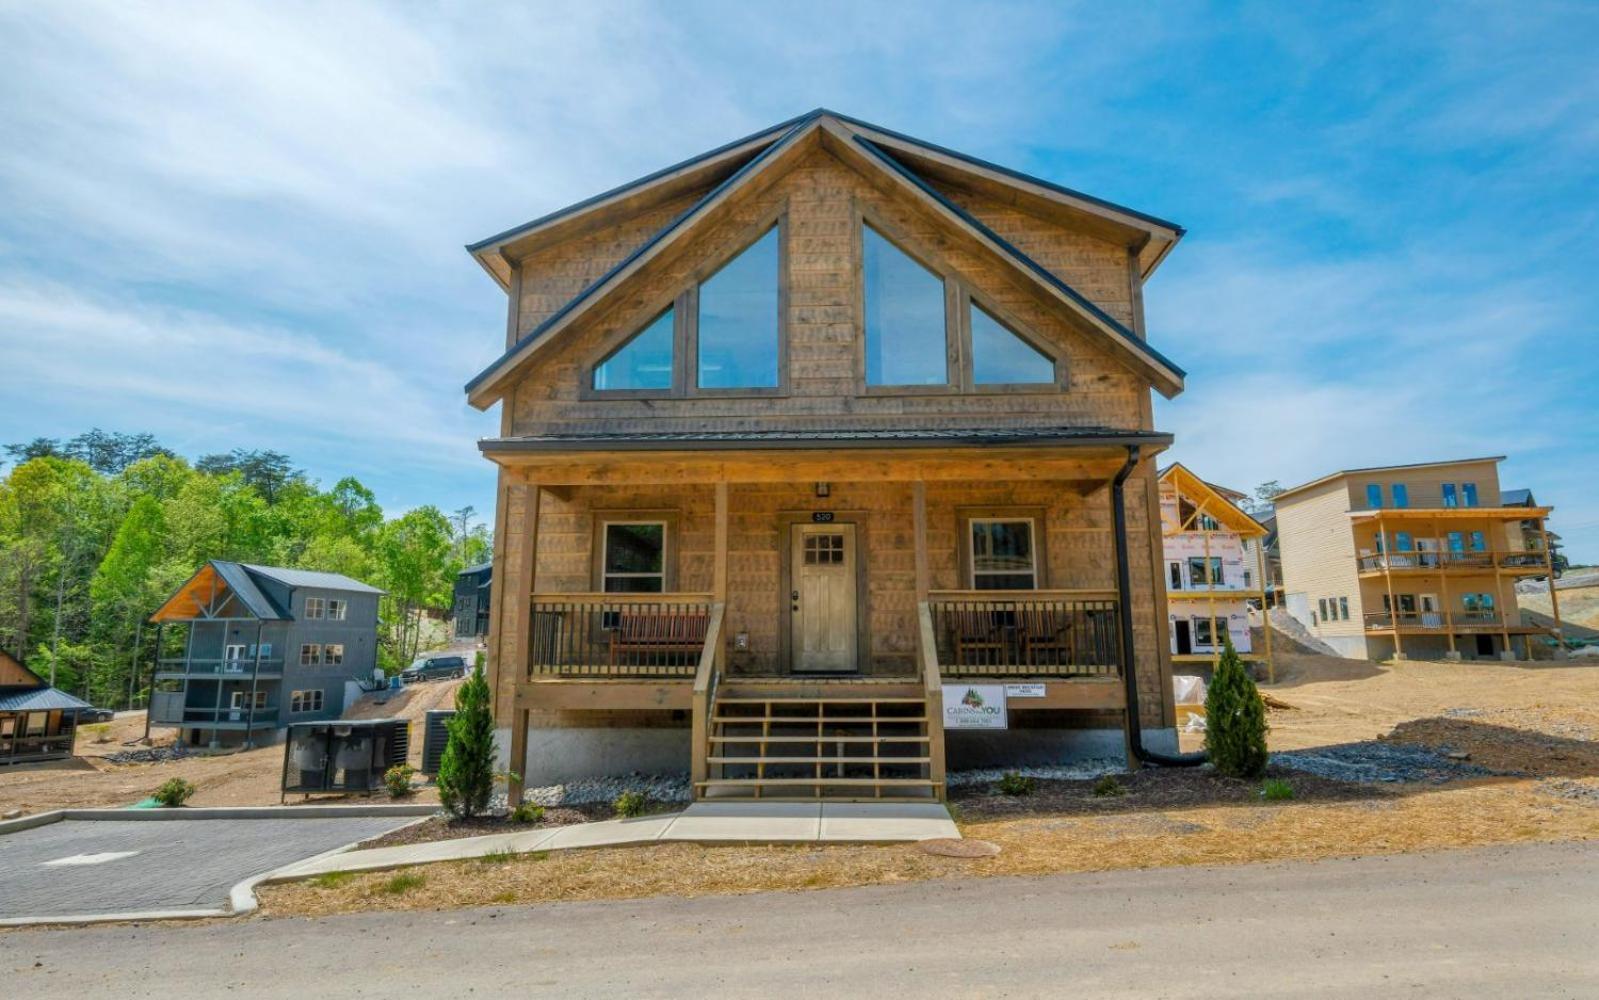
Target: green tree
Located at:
point(466, 771)
point(124, 589)
point(413, 554)
point(1235, 719)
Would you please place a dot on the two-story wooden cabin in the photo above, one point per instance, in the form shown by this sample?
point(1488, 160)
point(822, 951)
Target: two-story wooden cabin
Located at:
point(826, 463)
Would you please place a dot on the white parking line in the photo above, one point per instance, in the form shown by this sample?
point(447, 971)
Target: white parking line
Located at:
point(89, 859)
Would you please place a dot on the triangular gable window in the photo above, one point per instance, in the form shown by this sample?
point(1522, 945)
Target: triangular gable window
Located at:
point(1001, 357)
point(643, 362)
point(738, 315)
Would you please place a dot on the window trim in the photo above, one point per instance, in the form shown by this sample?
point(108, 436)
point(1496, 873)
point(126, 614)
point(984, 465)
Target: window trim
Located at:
point(321, 608)
point(326, 655)
point(316, 658)
point(667, 517)
point(959, 296)
point(343, 606)
point(964, 517)
point(684, 304)
point(236, 701)
point(298, 701)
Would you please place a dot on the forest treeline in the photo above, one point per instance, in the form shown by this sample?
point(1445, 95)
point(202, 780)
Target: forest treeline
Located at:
point(97, 530)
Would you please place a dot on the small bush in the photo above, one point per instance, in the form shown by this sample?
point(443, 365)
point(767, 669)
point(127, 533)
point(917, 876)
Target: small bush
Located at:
point(527, 812)
point(1108, 786)
point(332, 880)
point(173, 792)
point(1015, 783)
point(1235, 719)
point(101, 731)
point(497, 857)
point(630, 804)
point(1276, 790)
point(402, 883)
point(397, 780)
point(503, 897)
point(466, 772)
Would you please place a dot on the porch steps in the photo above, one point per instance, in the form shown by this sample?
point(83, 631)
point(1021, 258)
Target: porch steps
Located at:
point(806, 742)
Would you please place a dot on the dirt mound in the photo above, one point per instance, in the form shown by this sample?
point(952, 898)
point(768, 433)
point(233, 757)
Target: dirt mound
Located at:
point(411, 702)
point(1294, 636)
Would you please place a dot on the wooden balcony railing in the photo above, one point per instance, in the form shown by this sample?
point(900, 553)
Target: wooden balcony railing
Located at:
point(1031, 633)
point(178, 666)
point(1435, 560)
point(618, 635)
point(16, 749)
point(1439, 620)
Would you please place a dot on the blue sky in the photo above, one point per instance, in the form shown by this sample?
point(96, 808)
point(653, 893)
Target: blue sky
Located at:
point(236, 225)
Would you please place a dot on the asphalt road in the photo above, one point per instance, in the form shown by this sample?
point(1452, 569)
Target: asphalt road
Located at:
point(76, 867)
point(1509, 922)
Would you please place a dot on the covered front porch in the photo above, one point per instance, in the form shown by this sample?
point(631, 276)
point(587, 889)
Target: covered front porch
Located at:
point(797, 615)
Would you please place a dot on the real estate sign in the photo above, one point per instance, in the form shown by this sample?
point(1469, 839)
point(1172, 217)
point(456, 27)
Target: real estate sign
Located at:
point(974, 706)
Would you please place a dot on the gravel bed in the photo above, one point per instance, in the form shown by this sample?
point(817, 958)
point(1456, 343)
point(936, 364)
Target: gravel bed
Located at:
point(1374, 761)
point(588, 791)
point(1076, 771)
point(151, 755)
point(1575, 791)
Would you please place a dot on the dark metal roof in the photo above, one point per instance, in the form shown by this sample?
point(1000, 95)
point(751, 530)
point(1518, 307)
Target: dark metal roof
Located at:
point(239, 580)
point(1516, 498)
point(312, 578)
point(480, 567)
point(757, 440)
point(38, 699)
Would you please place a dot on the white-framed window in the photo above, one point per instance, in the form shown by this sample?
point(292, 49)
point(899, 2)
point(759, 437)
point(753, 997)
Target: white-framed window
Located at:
point(1343, 608)
point(1202, 633)
point(310, 654)
point(306, 701)
point(333, 654)
point(1197, 577)
point(633, 557)
point(1002, 553)
point(315, 607)
point(234, 651)
point(337, 609)
point(241, 700)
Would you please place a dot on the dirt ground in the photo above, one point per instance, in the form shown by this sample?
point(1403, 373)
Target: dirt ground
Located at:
point(1532, 724)
point(242, 778)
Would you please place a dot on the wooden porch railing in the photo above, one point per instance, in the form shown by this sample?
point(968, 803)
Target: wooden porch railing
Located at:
point(618, 635)
point(707, 678)
point(1430, 620)
point(1025, 633)
point(933, 691)
point(1434, 559)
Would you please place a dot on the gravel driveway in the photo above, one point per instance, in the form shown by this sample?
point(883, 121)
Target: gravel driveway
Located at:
point(76, 867)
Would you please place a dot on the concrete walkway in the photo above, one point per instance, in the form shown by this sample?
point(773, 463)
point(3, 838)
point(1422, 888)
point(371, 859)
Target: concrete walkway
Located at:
point(703, 822)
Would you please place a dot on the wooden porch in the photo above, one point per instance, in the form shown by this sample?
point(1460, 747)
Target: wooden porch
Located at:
point(867, 727)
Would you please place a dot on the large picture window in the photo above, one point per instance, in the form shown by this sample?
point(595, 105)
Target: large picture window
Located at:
point(645, 361)
point(906, 326)
point(1002, 554)
point(633, 559)
point(738, 339)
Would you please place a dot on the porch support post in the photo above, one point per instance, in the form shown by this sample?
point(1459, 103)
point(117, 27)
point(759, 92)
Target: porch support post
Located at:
point(149, 700)
point(255, 675)
point(924, 573)
point(1210, 592)
point(1501, 605)
point(1388, 581)
point(1554, 602)
point(1265, 612)
point(523, 578)
point(719, 569)
point(1443, 585)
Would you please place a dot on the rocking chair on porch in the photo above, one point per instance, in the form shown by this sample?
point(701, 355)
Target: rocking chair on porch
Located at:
point(980, 638)
point(1046, 637)
point(675, 635)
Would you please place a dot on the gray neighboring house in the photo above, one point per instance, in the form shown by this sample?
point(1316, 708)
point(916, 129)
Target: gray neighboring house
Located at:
point(265, 647)
point(471, 609)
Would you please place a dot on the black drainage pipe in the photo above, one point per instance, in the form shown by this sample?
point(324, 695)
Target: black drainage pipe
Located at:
point(1135, 727)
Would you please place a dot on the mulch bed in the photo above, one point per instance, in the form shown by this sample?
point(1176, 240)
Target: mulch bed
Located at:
point(439, 828)
point(1150, 789)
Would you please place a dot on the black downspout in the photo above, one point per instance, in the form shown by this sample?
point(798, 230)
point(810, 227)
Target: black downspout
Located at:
point(1124, 588)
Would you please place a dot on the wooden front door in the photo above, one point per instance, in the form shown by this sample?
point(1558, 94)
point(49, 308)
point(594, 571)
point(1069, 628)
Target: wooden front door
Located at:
point(823, 598)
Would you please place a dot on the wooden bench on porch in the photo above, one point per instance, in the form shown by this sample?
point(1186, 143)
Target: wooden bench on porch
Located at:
point(657, 632)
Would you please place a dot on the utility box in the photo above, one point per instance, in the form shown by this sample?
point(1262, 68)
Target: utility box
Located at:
point(345, 756)
point(435, 736)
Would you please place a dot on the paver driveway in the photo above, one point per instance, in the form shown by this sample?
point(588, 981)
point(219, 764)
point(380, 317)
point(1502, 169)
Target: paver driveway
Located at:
point(79, 867)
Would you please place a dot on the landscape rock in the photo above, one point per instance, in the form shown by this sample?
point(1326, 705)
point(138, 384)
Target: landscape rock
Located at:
point(1375, 761)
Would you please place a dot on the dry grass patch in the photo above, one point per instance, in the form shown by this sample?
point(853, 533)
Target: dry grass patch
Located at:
point(1460, 815)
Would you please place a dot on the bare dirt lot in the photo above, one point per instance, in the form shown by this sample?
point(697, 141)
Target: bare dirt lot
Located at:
point(249, 777)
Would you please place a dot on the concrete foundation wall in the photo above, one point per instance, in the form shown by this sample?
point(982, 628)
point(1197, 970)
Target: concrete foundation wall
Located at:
point(1357, 647)
point(559, 755)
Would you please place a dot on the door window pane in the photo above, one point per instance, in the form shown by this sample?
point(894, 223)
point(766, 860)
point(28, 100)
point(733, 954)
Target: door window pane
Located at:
point(905, 342)
point(634, 561)
point(644, 362)
point(1450, 498)
point(1479, 542)
point(738, 320)
point(1000, 357)
point(1457, 542)
point(1401, 495)
point(1002, 555)
point(1468, 492)
point(1373, 495)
